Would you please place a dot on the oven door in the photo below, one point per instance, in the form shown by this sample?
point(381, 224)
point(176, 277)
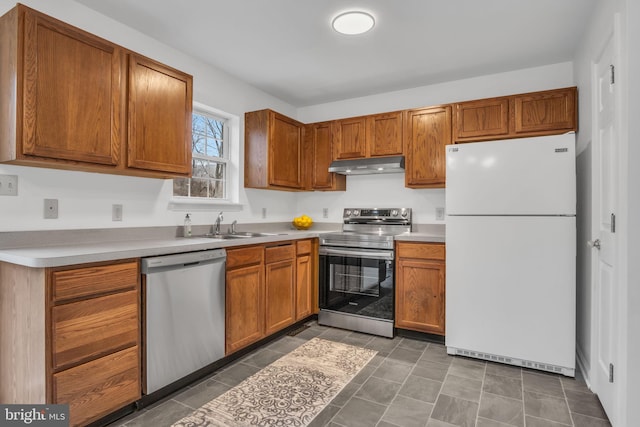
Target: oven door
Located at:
point(357, 281)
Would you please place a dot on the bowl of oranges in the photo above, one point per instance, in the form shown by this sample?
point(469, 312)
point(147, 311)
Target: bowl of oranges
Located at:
point(302, 222)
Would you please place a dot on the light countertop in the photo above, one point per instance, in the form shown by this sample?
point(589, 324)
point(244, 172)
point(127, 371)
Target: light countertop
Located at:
point(69, 247)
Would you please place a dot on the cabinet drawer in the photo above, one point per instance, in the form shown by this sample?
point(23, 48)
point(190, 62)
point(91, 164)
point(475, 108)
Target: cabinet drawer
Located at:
point(86, 329)
point(279, 253)
point(83, 282)
point(100, 387)
point(421, 250)
point(303, 247)
point(245, 256)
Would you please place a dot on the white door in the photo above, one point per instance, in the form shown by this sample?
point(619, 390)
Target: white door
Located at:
point(605, 293)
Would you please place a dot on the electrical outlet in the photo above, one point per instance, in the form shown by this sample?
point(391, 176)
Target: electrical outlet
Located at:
point(325, 212)
point(50, 208)
point(439, 214)
point(264, 212)
point(8, 185)
point(116, 212)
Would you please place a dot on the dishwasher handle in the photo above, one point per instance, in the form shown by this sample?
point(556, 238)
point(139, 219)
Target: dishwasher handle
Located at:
point(182, 260)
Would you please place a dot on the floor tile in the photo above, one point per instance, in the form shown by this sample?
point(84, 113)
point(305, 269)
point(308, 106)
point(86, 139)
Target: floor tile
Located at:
point(364, 374)
point(263, 358)
point(334, 334)
point(485, 422)
point(286, 344)
point(463, 388)
point(452, 410)
point(504, 386)
point(345, 394)
point(420, 388)
point(504, 370)
point(378, 390)
point(384, 346)
point(407, 412)
point(547, 407)
point(586, 421)
point(324, 416)
point(436, 353)
point(437, 423)
point(414, 344)
point(502, 409)
point(202, 393)
point(392, 371)
point(405, 355)
point(539, 422)
point(162, 415)
point(432, 370)
point(574, 384)
point(468, 368)
point(542, 383)
point(585, 404)
point(235, 374)
point(357, 339)
point(359, 413)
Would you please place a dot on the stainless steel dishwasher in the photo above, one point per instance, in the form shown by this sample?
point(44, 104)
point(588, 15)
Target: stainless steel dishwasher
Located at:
point(184, 314)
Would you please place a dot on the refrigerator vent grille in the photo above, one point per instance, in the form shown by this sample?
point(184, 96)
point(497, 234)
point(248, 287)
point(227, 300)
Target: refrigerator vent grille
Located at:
point(509, 360)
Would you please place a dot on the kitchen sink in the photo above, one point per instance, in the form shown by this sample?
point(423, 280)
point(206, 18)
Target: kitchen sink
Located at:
point(238, 235)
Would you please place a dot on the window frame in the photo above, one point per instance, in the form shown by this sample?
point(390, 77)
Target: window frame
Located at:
point(231, 151)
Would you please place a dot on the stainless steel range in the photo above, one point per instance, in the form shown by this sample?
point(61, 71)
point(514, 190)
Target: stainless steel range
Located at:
point(356, 270)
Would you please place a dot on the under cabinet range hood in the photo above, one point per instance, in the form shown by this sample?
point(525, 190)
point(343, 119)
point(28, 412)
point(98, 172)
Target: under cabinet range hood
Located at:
point(369, 166)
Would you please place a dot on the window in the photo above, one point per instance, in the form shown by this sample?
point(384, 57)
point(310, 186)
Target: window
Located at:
point(210, 152)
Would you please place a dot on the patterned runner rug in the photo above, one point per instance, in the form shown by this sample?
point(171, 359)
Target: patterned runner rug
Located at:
point(289, 392)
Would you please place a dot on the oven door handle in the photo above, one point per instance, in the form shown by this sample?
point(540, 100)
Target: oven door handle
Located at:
point(386, 255)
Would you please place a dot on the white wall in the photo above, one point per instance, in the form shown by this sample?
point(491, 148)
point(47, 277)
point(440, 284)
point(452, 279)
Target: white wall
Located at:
point(85, 198)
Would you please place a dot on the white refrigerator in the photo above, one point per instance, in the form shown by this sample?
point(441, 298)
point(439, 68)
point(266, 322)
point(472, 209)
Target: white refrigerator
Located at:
point(511, 252)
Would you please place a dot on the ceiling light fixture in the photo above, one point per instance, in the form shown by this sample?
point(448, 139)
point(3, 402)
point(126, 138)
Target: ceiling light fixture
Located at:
point(353, 23)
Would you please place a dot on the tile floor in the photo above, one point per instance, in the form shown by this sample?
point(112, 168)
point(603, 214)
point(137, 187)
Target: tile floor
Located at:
point(408, 383)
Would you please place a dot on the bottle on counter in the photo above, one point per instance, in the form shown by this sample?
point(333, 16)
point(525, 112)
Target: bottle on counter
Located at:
point(187, 225)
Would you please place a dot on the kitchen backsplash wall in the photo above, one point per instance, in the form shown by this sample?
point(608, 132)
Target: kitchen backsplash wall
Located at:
point(85, 199)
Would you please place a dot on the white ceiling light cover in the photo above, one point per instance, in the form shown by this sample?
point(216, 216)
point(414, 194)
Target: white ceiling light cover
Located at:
point(354, 22)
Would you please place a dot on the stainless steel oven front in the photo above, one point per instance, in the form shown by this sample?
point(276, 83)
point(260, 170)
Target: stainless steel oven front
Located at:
point(357, 289)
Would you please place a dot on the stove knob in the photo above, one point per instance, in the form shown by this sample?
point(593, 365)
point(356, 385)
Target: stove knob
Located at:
point(394, 212)
point(356, 212)
point(404, 214)
point(347, 212)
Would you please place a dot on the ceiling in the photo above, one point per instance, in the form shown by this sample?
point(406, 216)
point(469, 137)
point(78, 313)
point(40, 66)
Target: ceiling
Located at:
point(288, 49)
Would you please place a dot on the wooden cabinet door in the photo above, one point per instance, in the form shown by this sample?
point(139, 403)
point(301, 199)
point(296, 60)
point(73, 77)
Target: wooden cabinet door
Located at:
point(427, 132)
point(160, 104)
point(285, 152)
point(349, 138)
point(280, 285)
point(97, 388)
point(384, 134)
point(321, 158)
point(73, 92)
point(481, 119)
point(244, 315)
point(545, 112)
point(304, 301)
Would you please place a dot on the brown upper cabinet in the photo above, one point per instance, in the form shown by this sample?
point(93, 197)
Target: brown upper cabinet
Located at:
point(320, 143)
point(427, 131)
point(76, 101)
point(531, 114)
point(273, 151)
point(368, 136)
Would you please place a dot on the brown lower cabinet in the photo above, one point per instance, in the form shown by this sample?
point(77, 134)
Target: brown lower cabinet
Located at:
point(71, 335)
point(420, 287)
point(268, 287)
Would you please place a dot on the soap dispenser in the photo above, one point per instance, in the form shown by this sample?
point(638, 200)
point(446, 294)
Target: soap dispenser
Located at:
point(187, 225)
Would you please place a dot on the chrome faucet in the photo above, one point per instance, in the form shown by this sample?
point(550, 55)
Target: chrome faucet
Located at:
point(232, 230)
point(216, 227)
